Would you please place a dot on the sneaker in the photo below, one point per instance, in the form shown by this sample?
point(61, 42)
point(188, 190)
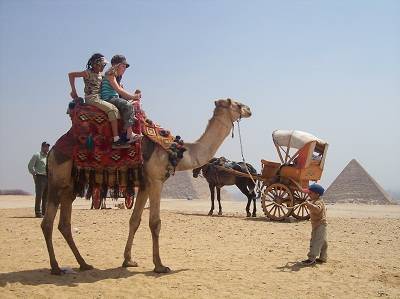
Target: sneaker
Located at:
point(308, 262)
point(320, 261)
point(119, 144)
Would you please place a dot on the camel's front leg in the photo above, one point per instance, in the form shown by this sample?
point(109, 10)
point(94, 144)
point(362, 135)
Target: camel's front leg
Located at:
point(155, 225)
point(47, 228)
point(134, 223)
point(65, 228)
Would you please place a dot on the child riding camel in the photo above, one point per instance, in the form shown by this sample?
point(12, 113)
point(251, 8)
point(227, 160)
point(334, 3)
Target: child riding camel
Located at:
point(113, 92)
point(92, 77)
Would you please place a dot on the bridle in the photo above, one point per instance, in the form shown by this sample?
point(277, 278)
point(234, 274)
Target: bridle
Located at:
point(239, 106)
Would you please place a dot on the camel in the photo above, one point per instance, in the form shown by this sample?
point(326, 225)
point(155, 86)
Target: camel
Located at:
point(60, 185)
point(217, 178)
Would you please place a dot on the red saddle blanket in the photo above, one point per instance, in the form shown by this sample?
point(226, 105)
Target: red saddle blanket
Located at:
point(89, 139)
point(96, 163)
point(93, 141)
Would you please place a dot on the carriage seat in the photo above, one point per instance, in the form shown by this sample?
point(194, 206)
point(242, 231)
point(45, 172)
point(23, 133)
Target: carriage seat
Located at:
point(269, 168)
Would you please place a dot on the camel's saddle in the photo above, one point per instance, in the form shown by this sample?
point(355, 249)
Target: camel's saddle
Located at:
point(96, 163)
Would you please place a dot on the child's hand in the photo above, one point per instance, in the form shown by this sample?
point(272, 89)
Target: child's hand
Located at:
point(74, 95)
point(136, 96)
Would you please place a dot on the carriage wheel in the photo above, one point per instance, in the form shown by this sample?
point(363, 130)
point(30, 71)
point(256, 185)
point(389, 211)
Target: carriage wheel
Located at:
point(129, 199)
point(300, 212)
point(96, 198)
point(277, 201)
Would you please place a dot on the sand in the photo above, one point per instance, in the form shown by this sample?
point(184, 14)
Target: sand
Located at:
point(228, 256)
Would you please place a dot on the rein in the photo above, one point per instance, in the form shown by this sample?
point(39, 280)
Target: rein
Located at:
point(257, 183)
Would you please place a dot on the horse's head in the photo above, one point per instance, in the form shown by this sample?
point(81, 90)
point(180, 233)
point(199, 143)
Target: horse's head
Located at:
point(236, 109)
point(196, 172)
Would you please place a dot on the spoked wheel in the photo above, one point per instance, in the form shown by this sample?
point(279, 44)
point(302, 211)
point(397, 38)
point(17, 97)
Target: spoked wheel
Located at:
point(300, 212)
point(129, 199)
point(277, 201)
point(96, 198)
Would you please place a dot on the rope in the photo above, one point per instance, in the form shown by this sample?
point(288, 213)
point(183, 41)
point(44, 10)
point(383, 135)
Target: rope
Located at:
point(256, 186)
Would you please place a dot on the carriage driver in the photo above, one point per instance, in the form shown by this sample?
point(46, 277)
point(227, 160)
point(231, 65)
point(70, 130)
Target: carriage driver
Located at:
point(318, 242)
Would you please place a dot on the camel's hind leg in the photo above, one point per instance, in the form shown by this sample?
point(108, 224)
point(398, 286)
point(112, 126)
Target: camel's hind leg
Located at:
point(134, 223)
point(47, 228)
point(65, 228)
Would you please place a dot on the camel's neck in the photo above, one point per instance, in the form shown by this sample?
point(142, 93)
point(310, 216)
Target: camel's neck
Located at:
point(201, 151)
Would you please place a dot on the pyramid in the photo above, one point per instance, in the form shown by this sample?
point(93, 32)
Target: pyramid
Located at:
point(183, 186)
point(355, 185)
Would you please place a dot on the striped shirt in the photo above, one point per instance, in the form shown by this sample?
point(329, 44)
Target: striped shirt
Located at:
point(107, 91)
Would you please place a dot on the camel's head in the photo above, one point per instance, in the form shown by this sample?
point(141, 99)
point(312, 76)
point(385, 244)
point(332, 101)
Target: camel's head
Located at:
point(236, 109)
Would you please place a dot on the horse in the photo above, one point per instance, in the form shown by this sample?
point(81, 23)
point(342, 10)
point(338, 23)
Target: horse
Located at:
point(217, 178)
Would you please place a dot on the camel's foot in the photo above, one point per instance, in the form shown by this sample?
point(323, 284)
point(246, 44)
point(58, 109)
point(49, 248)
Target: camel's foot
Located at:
point(86, 267)
point(56, 271)
point(220, 213)
point(210, 213)
point(162, 269)
point(129, 263)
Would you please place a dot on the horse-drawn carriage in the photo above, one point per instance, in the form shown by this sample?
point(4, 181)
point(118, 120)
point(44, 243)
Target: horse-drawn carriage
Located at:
point(281, 184)
point(302, 158)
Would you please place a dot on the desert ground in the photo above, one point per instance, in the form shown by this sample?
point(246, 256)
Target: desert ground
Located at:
point(227, 256)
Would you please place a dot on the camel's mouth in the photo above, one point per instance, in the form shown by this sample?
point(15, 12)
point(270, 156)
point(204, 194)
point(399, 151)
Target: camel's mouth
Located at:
point(245, 111)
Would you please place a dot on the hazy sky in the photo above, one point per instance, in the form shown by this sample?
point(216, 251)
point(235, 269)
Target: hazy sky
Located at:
point(331, 68)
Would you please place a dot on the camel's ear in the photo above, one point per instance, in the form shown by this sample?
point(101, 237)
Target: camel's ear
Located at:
point(216, 104)
point(229, 101)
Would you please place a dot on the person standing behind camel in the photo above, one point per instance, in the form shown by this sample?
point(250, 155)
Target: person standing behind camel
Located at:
point(92, 77)
point(113, 92)
point(318, 242)
point(37, 167)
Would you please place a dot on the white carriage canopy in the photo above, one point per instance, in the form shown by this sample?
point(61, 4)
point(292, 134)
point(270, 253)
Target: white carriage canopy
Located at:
point(294, 139)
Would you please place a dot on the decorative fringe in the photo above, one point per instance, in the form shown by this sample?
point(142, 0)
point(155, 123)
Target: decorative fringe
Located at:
point(104, 184)
point(130, 181)
point(92, 182)
point(175, 154)
point(85, 179)
point(117, 182)
point(79, 181)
